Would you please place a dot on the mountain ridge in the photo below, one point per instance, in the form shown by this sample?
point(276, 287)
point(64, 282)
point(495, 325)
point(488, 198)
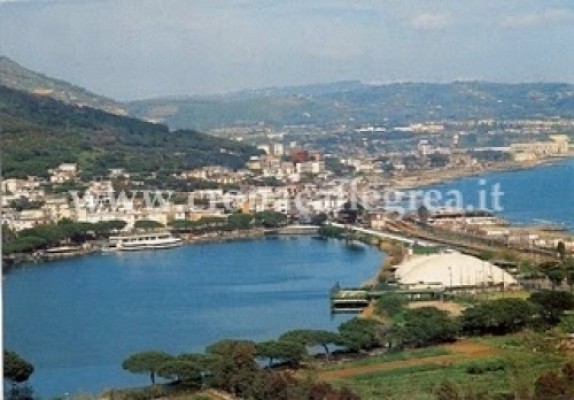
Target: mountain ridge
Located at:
point(15, 76)
point(363, 103)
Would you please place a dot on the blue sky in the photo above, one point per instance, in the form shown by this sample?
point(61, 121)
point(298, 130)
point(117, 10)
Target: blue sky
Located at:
point(131, 49)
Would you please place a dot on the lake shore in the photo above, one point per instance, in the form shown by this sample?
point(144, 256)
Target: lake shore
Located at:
point(15, 260)
point(251, 289)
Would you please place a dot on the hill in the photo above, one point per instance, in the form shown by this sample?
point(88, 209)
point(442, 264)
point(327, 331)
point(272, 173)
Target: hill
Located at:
point(341, 102)
point(15, 76)
point(38, 132)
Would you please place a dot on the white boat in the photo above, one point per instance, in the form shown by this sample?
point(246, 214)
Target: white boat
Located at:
point(143, 241)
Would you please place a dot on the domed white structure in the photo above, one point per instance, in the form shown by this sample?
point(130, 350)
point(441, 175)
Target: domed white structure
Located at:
point(451, 270)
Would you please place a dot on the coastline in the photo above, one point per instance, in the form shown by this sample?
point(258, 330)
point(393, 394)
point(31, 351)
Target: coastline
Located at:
point(430, 178)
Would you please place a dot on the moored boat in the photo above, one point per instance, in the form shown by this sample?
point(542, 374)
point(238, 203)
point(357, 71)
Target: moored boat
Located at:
point(143, 241)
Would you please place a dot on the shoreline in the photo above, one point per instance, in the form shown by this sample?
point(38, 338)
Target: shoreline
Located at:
point(17, 260)
point(431, 178)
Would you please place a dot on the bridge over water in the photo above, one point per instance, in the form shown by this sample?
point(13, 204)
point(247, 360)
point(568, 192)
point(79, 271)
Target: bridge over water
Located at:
point(387, 235)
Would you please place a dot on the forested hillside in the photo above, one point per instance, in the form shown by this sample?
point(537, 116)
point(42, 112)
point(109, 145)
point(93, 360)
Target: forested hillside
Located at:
point(38, 133)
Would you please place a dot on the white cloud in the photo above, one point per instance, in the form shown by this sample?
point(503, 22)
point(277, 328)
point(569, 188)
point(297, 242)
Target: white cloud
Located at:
point(430, 21)
point(547, 17)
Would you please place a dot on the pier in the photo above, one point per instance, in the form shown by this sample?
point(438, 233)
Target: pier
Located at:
point(355, 300)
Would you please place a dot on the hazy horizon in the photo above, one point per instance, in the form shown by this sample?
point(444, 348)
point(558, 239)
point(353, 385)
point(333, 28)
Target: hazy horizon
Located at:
point(130, 50)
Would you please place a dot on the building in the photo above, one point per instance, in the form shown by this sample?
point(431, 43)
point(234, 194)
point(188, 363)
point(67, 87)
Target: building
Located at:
point(64, 173)
point(558, 145)
point(451, 271)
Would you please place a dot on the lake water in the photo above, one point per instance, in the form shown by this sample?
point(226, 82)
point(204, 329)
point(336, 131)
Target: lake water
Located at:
point(76, 320)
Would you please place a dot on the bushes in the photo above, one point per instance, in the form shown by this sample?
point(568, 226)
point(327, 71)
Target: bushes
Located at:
point(498, 317)
point(43, 236)
point(504, 316)
point(481, 367)
point(553, 304)
point(361, 334)
point(556, 386)
point(390, 303)
point(427, 326)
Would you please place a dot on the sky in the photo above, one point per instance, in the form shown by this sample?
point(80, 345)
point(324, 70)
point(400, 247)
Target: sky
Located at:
point(134, 49)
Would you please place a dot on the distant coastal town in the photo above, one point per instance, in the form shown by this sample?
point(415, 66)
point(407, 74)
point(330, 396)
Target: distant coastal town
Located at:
point(287, 183)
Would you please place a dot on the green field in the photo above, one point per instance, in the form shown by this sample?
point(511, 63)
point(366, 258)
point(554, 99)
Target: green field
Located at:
point(512, 367)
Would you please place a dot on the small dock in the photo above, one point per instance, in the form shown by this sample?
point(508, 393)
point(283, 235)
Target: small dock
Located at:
point(355, 300)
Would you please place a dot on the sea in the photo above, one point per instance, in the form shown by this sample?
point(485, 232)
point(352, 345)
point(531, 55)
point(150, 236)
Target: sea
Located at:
point(539, 196)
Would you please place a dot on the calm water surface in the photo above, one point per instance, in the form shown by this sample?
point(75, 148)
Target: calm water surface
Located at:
point(540, 195)
point(76, 320)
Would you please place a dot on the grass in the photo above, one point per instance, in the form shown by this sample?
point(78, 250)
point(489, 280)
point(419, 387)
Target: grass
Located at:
point(398, 356)
point(423, 250)
point(503, 342)
point(513, 366)
point(515, 294)
point(471, 299)
point(418, 383)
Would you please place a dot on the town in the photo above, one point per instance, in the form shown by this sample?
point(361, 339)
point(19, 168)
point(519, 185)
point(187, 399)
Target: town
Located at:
point(374, 165)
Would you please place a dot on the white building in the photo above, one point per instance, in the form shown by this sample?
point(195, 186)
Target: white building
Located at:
point(451, 270)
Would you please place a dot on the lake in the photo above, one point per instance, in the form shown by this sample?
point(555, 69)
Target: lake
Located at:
point(77, 319)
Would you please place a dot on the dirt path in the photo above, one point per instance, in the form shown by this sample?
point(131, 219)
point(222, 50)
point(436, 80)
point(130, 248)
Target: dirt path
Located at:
point(218, 395)
point(452, 308)
point(462, 350)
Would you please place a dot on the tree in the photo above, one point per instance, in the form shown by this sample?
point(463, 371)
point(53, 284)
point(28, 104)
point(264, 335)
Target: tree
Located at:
point(106, 228)
point(233, 367)
point(16, 369)
point(284, 350)
point(561, 249)
point(181, 370)
point(182, 225)
point(311, 338)
point(20, 392)
point(390, 303)
point(568, 266)
point(147, 362)
point(361, 334)
point(239, 221)
point(553, 303)
point(423, 214)
point(7, 233)
point(271, 219)
point(271, 385)
point(427, 326)
point(319, 219)
point(556, 276)
point(147, 225)
point(498, 317)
